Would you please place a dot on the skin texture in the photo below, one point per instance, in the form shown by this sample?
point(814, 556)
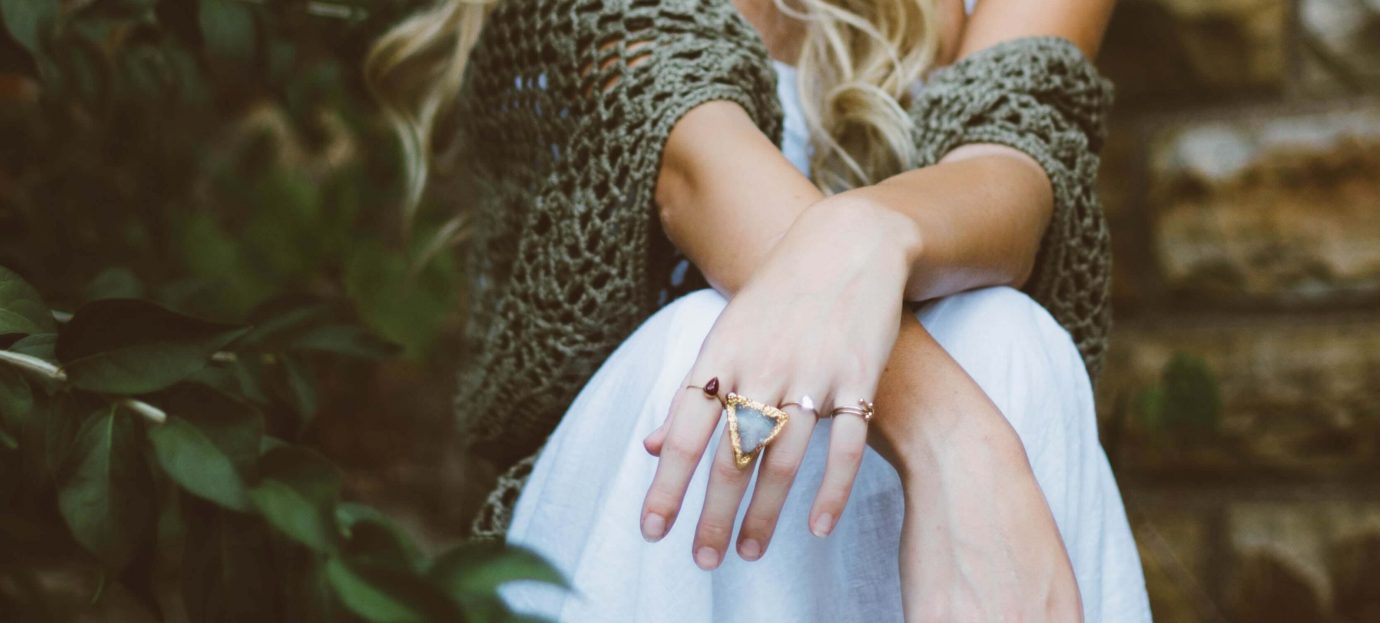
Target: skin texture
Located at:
point(831, 274)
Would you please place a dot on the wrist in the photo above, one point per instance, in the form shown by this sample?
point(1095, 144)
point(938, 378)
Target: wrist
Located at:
point(932, 418)
point(857, 214)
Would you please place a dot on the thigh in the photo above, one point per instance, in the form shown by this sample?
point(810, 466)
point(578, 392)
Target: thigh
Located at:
point(580, 506)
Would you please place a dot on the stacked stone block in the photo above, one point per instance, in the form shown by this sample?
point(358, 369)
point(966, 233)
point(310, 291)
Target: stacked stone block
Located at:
point(1243, 188)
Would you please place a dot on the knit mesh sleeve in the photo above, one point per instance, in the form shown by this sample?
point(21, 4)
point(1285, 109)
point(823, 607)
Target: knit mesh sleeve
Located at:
point(1042, 96)
point(563, 115)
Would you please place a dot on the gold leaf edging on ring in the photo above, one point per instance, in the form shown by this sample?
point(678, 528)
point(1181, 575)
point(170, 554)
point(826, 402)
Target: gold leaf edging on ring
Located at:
point(731, 404)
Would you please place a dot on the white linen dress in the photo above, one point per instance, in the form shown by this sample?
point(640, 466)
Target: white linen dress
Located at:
point(581, 506)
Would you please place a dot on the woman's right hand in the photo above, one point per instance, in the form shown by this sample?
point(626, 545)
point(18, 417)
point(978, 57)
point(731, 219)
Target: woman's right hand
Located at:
point(815, 324)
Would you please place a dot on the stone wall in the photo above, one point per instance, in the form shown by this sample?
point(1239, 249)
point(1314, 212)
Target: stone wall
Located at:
point(1243, 187)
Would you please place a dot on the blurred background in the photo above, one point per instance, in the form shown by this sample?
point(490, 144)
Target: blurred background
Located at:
point(1241, 401)
point(220, 156)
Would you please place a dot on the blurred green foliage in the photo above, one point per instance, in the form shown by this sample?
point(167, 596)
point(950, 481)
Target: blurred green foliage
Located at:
point(134, 438)
point(205, 186)
point(1186, 403)
point(224, 151)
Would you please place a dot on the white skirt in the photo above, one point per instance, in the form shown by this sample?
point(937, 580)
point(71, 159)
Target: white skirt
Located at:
point(581, 505)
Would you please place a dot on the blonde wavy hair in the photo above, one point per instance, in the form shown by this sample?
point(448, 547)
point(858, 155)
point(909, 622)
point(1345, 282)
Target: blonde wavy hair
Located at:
point(857, 63)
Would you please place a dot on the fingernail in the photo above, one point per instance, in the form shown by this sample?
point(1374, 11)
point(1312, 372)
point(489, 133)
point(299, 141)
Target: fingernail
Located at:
point(707, 558)
point(822, 525)
point(653, 527)
point(750, 549)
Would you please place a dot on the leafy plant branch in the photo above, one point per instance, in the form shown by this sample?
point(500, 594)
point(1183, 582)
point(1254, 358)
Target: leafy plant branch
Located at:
point(230, 399)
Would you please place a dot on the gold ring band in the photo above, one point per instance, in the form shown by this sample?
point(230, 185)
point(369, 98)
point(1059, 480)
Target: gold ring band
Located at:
point(864, 410)
point(806, 403)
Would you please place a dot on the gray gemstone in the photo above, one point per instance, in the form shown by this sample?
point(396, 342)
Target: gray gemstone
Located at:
point(753, 427)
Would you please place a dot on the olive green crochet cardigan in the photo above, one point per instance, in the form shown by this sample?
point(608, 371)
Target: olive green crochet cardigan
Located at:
point(564, 111)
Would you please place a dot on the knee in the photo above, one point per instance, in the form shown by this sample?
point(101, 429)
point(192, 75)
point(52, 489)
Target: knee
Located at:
point(999, 323)
point(1010, 345)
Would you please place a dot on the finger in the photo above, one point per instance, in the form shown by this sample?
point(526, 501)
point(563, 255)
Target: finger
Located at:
point(779, 464)
point(657, 438)
point(687, 433)
point(727, 483)
point(847, 441)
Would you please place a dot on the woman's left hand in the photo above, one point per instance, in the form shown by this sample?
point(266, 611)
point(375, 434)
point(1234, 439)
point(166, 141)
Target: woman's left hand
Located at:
point(819, 318)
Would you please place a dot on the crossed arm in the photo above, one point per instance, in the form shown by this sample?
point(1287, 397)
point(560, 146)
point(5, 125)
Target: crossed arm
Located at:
point(974, 219)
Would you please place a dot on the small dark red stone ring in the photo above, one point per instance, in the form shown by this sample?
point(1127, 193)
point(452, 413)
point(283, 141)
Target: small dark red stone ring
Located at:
point(710, 389)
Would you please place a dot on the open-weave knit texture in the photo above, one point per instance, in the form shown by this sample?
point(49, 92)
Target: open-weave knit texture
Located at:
point(564, 112)
point(1042, 96)
point(565, 109)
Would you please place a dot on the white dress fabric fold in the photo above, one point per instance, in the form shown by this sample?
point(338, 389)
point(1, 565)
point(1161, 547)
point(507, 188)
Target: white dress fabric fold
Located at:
point(581, 506)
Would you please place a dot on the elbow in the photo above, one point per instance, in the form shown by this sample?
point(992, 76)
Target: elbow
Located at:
point(672, 188)
point(1023, 263)
point(1021, 273)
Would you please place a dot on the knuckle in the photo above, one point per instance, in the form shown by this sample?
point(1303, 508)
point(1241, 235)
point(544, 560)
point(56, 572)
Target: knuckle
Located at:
point(725, 470)
point(680, 449)
point(759, 524)
point(662, 500)
point(778, 469)
point(714, 530)
point(834, 497)
point(849, 456)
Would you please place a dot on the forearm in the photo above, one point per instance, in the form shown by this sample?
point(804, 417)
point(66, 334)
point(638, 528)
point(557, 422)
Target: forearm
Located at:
point(973, 220)
point(726, 194)
point(979, 213)
point(928, 408)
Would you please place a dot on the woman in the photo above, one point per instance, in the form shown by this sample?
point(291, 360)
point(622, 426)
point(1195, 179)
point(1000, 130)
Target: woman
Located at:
point(601, 141)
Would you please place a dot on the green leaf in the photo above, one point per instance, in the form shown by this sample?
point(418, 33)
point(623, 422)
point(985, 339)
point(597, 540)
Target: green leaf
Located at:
point(296, 493)
point(41, 345)
point(104, 488)
point(233, 425)
point(21, 308)
point(292, 388)
point(269, 442)
point(54, 427)
point(406, 308)
point(277, 322)
point(27, 19)
point(479, 568)
point(293, 513)
point(386, 594)
point(371, 537)
point(113, 283)
point(347, 340)
point(123, 346)
point(227, 27)
point(191, 459)
point(16, 406)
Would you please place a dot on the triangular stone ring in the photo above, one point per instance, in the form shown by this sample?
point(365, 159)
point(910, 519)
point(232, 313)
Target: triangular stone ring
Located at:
point(751, 426)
